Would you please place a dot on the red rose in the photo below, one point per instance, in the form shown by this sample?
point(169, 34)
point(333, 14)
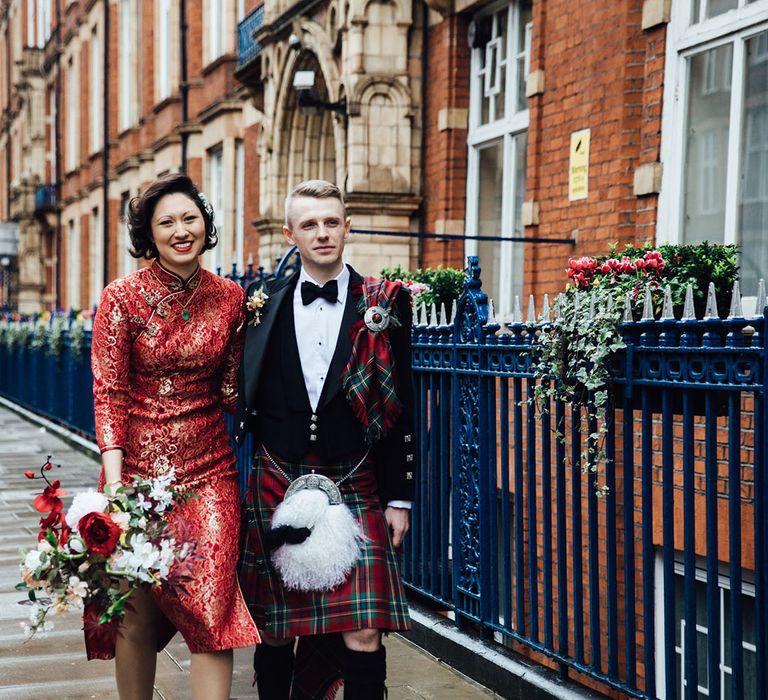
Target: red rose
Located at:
point(99, 532)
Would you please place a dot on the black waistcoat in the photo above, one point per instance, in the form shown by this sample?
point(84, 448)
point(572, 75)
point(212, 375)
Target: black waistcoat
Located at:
point(285, 417)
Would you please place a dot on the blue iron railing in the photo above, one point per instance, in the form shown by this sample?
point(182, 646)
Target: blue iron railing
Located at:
point(654, 589)
point(247, 48)
point(510, 534)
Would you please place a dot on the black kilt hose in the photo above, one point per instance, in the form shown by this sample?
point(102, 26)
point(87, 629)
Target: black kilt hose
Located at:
point(372, 597)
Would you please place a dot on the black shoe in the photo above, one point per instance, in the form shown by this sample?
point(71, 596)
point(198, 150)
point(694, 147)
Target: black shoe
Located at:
point(364, 674)
point(274, 671)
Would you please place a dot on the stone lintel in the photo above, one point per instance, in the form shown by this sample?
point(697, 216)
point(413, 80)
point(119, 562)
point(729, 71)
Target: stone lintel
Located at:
point(647, 179)
point(656, 12)
point(534, 84)
point(452, 118)
point(530, 213)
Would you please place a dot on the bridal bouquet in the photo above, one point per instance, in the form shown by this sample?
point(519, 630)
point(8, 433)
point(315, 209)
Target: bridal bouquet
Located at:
point(101, 550)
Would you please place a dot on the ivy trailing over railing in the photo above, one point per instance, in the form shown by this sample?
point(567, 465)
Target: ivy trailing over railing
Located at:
point(573, 355)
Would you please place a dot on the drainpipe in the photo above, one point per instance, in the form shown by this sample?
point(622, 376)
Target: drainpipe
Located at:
point(57, 161)
point(105, 153)
point(183, 86)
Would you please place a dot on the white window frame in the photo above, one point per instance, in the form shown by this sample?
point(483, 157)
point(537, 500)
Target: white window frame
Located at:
point(216, 196)
point(73, 114)
point(96, 256)
point(164, 47)
point(95, 88)
point(129, 263)
point(74, 256)
point(31, 40)
point(684, 40)
point(43, 22)
point(239, 250)
point(127, 77)
point(723, 584)
point(484, 135)
point(217, 25)
point(52, 134)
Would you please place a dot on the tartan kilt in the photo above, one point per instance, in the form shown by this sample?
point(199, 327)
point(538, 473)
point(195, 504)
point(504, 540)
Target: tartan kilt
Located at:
point(372, 597)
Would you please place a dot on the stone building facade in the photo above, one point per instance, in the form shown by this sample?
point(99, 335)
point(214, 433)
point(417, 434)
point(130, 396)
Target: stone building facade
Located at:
point(98, 99)
point(363, 62)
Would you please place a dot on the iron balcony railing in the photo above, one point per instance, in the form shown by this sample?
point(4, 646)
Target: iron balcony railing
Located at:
point(45, 196)
point(247, 48)
point(653, 590)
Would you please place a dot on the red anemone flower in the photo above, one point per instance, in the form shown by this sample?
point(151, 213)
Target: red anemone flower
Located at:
point(50, 499)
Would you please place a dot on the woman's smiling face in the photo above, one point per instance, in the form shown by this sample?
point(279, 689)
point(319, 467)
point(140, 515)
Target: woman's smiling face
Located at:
point(178, 231)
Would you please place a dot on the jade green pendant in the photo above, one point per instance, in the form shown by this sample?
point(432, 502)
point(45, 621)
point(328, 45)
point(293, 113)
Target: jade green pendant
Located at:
point(186, 315)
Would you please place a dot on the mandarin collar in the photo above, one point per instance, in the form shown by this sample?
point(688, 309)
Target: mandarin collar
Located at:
point(173, 281)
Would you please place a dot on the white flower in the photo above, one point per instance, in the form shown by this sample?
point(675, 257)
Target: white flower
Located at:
point(27, 630)
point(83, 503)
point(77, 588)
point(35, 614)
point(44, 546)
point(32, 560)
point(76, 545)
point(121, 519)
point(137, 561)
point(143, 503)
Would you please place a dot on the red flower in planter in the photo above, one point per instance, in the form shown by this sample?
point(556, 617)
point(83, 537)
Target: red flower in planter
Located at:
point(99, 532)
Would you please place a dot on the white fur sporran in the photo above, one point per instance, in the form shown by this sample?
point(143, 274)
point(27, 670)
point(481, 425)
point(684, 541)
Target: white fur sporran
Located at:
point(324, 560)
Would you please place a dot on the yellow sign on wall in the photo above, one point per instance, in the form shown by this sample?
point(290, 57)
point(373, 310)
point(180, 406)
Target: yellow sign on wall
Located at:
point(578, 166)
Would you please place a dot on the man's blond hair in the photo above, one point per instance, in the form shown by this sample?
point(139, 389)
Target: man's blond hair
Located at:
point(314, 189)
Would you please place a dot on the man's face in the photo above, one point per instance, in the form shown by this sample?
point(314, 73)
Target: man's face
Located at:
point(318, 229)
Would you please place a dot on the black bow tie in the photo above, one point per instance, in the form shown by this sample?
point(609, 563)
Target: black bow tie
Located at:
point(310, 292)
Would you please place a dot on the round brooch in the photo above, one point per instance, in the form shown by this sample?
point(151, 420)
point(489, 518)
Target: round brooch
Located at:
point(376, 318)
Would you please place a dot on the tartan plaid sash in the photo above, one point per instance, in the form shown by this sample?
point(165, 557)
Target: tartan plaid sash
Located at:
point(368, 378)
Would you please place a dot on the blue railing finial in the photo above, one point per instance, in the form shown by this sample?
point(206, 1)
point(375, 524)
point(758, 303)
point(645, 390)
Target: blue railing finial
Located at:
point(473, 272)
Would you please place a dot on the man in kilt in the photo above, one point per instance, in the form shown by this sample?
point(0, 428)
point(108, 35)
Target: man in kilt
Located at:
point(326, 388)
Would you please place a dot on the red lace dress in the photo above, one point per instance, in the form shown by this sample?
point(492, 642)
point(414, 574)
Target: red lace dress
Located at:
point(165, 358)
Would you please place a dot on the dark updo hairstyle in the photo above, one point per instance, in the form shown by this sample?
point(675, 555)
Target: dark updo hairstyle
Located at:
point(141, 209)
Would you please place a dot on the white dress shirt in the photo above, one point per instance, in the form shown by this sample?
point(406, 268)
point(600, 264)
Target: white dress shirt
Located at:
point(317, 327)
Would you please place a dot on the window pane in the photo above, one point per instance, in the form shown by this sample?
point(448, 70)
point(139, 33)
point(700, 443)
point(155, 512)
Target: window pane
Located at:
point(521, 144)
point(523, 56)
point(717, 7)
point(490, 189)
point(709, 96)
point(753, 202)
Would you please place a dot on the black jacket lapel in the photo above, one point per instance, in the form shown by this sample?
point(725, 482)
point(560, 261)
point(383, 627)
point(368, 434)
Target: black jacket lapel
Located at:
point(256, 337)
point(343, 349)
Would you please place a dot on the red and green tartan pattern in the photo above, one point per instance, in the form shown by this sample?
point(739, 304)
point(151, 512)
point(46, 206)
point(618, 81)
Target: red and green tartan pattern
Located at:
point(368, 378)
point(373, 597)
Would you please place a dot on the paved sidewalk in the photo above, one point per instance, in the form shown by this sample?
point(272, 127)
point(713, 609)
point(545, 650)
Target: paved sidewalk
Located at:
point(55, 666)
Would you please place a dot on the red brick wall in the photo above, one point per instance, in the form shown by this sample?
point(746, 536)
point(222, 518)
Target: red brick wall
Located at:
point(602, 72)
point(445, 162)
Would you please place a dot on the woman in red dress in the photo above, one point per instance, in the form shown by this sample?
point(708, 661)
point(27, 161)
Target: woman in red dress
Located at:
point(167, 342)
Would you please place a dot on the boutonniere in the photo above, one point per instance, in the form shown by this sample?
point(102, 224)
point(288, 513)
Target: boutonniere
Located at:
point(256, 303)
